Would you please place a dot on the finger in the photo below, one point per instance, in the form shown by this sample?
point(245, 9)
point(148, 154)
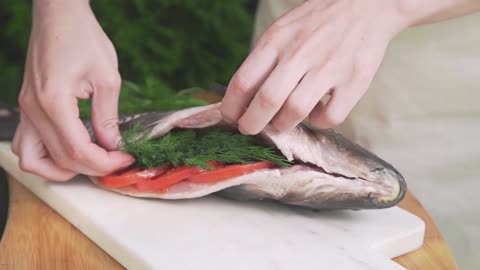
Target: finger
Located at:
point(314, 85)
point(246, 81)
point(271, 96)
point(342, 101)
point(73, 148)
point(51, 139)
point(33, 157)
point(79, 146)
point(105, 113)
point(260, 63)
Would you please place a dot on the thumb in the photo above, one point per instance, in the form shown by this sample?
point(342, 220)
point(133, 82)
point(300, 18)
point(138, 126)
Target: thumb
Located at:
point(105, 114)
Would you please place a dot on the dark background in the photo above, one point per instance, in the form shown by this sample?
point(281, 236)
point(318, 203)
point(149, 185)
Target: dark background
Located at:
point(179, 43)
point(3, 201)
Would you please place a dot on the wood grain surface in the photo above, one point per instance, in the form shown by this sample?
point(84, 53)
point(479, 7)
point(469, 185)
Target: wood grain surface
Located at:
point(36, 237)
point(435, 253)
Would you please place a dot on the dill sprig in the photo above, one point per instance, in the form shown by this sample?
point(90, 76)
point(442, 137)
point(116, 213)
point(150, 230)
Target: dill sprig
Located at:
point(151, 95)
point(197, 147)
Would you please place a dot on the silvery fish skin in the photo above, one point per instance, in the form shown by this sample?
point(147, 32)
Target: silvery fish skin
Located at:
point(330, 172)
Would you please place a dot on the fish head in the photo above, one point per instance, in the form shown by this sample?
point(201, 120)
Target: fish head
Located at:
point(334, 172)
point(360, 164)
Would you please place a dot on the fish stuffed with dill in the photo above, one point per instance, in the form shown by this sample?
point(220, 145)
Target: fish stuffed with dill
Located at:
point(192, 152)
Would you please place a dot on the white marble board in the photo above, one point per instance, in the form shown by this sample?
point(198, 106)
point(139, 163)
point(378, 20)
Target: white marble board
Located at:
point(215, 233)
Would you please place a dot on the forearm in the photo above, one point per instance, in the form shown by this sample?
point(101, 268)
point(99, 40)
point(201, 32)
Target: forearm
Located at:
point(418, 12)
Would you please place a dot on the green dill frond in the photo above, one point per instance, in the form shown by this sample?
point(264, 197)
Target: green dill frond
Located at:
point(197, 147)
point(151, 95)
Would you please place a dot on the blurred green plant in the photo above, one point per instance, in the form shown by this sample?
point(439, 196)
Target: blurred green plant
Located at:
point(179, 43)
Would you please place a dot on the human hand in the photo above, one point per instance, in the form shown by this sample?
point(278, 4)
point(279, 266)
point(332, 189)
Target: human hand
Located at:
point(69, 58)
point(321, 47)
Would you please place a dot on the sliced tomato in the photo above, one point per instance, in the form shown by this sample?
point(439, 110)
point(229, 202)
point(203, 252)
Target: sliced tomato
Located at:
point(173, 176)
point(229, 172)
point(130, 177)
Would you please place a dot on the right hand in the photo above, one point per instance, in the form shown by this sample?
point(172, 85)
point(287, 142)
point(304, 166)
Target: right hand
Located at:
point(69, 58)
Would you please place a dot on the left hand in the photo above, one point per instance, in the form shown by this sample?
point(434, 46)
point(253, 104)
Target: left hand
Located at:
point(321, 47)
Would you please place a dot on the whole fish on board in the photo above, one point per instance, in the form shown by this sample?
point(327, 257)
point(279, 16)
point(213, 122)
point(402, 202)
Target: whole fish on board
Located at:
point(329, 171)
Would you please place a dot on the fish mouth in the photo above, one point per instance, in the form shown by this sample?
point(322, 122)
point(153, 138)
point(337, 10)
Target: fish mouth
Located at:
point(390, 196)
point(398, 194)
point(316, 189)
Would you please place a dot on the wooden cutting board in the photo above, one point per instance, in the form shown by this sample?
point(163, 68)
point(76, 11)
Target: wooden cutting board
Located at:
point(213, 233)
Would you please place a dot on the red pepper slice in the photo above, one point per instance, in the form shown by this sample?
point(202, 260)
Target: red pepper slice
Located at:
point(229, 172)
point(173, 176)
point(160, 178)
point(214, 164)
point(132, 176)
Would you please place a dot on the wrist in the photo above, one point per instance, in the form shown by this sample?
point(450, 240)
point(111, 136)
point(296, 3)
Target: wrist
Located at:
point(391, 17)
point(59, 1)
point(416, 12)
point(54, 6)
point(44, 10)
